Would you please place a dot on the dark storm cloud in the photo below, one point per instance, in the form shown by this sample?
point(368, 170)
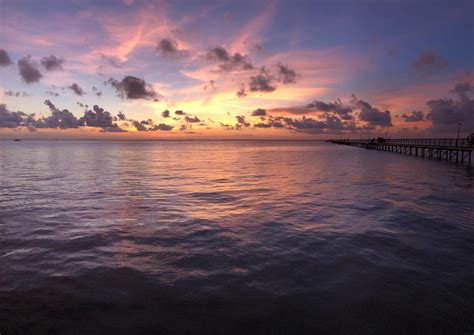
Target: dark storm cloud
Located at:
point(131, 87)
point(262, 82)
point(5, 59)
point(428, 62)
point(286, 75)
point(11, 93)
point(169, 48)
point(259, 112)
point(76, 89)
point(190, 119)
point(372, 115)
point(52, 63)
point(415, 116)
point(241, 93)
point(29, 70)
point(227, 61)
point(165, 113)
point(445, 113)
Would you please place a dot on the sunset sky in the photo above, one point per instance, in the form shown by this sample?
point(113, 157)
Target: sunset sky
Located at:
point(235, 69)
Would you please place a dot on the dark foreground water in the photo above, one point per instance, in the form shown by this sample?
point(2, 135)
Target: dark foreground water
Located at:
point(232, 237)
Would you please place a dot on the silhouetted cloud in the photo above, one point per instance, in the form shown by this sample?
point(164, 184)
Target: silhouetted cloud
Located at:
point(165, 113)
point(259, 112)
point(52, 63)
point(29, 70)
point(427, 62)
point(169, 48)
point(131, 87)
point(5, 59)
point(415, 116)
point(336, 107)
point(11, 93)
point(241, 93)
point(9, 119)
point(190, 119)
point(162, 127)
point(286, 75)
point(99, 118)
point(54, 94)
point(227, 61)
point(179, 112)
point(262, 82)
point(96, 91)
point(445, 113)
point(209, 85)
point(59, 119)
point(373, 116)
point(121, 116)
point(76, 89)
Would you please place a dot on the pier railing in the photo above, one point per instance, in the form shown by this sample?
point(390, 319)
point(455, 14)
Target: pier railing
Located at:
point(432, 142)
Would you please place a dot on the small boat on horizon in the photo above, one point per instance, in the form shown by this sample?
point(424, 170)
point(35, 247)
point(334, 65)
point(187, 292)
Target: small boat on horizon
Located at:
point(17, 140)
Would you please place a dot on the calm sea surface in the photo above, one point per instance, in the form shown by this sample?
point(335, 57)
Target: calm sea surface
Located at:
point(232, 237)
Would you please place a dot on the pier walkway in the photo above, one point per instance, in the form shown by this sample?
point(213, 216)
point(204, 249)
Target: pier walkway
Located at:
point(447, 149)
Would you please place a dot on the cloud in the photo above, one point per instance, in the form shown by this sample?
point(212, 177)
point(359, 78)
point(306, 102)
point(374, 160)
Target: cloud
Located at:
point(373, 116)
point(96, 91)
point(262, 82)
point(445, 113)
point(228, 62)
point(131, 87)
point(162, 127)
point(259, 112)
point(121, 116)
point(241, 93)
point(99, 118)
point(113, 62)
point(415, 116)
point(5, 59)
point(59, 119)
point(52, 63)
point(286, 75)
point(428, 62)
point(190, 119)
point(29, 70)
point(10, 119)
point(54, 94)
point(336, 107)
point(76, 89)
point(11, 93)
point(169, 48)
point(241, 121)
point(165, 113)
point(179, 112)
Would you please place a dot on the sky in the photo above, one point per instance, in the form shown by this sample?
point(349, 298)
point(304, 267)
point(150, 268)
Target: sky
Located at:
point(132, 69)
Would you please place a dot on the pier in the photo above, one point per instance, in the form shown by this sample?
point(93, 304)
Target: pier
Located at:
point(454, 150)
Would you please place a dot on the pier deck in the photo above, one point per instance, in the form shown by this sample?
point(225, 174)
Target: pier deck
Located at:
point(447, 149)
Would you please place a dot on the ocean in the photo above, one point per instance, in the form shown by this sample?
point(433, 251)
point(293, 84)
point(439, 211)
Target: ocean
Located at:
point(232, 237)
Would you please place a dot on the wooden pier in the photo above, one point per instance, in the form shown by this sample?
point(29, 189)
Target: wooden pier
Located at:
point(454, 150)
